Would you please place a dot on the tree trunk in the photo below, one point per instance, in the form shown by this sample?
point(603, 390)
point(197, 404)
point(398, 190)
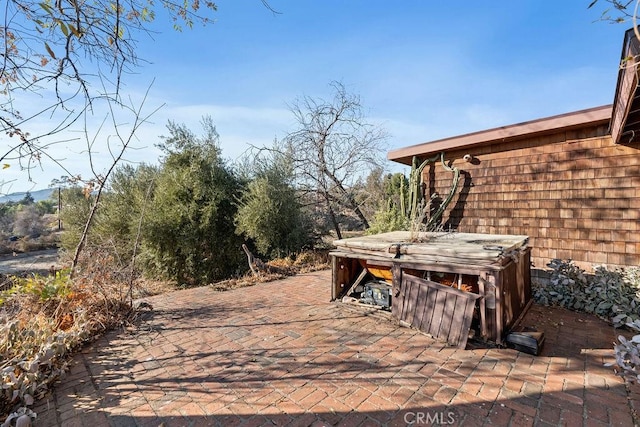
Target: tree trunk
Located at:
point(332, 215)
point(336, 225)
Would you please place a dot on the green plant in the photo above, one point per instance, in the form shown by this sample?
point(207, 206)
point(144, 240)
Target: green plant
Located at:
point(270, 214)
point(611, 294)
point(409, 210)
point(189, 234)
point(627, 353)
point(391, 218)
point(566, 282)
point(44, 288)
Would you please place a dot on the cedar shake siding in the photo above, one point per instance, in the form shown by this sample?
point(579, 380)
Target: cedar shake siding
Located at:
point(575, 193)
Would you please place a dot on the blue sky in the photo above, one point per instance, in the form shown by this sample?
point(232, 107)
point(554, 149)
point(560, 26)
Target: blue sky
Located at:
point(424, 70)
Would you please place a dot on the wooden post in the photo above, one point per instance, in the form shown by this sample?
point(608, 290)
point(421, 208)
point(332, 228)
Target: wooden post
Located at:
point(334, 277)
point(483, 307)
point(497, 282)
point(396, 283)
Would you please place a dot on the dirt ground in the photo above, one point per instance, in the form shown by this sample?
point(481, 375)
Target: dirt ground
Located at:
point(37, 262)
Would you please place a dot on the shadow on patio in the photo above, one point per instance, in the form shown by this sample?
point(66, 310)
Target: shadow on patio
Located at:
point(273, 355)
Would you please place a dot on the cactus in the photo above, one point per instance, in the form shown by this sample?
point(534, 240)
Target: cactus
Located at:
point(418, 206)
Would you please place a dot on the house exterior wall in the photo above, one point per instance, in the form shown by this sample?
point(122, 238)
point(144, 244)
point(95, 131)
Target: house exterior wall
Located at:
point(575, 193)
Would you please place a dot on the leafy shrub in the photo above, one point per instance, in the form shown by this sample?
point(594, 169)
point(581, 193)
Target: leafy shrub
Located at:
point(28, 221)
point(34, 354)
point(189, 235)
point(43, 288)
point(612, 295)
point(75, 211)
point(628, 354)
point(388, 219)
point(270, 214)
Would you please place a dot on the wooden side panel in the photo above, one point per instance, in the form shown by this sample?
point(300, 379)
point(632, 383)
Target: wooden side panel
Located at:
point(516, 289)
point(511, 299)
point(421, 299)
point(490, 312)
point(442, 311)
point(343, 271)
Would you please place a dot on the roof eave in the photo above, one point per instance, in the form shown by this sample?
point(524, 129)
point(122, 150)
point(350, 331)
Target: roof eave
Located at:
point(564, 122)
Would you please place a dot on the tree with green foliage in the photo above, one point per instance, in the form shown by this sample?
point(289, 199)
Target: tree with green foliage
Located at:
point(76, 205)
point(27, 199)
point(118, 228)
point(28, 221)
point(391, 214)
point(270, 212)
point(189, 234)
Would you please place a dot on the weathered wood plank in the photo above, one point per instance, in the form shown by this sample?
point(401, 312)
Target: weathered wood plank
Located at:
point(484, 332)
point(461, 266)
point(412, 302)
point(419, 312)
point(499, 309)
point(439, 310)
point(396, 288)
point(455, 333)
point(460, 245)
point(452, 303)
point(466, 323)
point(358, 281)
point(430, 302)
point(335, 286)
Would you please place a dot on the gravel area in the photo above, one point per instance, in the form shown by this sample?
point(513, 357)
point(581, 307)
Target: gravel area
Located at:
point(38, 261)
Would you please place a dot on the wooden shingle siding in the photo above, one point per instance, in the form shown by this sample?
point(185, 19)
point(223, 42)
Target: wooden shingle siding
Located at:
point(441, 311)
point(575, 193)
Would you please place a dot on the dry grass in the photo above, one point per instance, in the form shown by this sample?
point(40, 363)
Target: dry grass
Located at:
point(305, 262)
point(44, 319)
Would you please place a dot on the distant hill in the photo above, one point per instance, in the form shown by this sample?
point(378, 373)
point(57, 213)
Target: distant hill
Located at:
point(37, 195)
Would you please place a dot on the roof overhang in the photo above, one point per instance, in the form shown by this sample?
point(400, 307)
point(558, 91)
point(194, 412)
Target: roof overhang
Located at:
point(625, 120)
point(578, 119)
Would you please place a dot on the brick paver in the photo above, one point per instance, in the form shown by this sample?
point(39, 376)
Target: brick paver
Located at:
point(280, 353)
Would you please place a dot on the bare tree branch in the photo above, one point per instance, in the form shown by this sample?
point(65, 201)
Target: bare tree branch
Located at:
point(333, 147)
point(98, 184)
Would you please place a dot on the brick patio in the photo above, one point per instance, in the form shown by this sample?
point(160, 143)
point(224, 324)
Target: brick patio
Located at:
point(280, 353)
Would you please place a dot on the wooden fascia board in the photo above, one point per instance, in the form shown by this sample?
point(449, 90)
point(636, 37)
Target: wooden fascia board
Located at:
point(626, 86)
point(563, 122)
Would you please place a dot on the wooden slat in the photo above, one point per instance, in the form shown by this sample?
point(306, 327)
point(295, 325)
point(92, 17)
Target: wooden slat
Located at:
point(499, 310)
point(358, 281)
point(421, 296)
point(396, 289)
point(422, 264)
point(412, 302)
point(466, 323)
point(458, 319)
point(438, 310)
point(427, 319)
point(452, 303)
point(440, 314)
point(483, 310)
point(335, 286)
